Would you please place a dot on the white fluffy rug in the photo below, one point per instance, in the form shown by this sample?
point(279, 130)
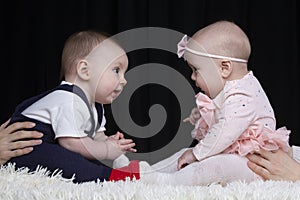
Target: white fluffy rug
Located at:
point(20, 184)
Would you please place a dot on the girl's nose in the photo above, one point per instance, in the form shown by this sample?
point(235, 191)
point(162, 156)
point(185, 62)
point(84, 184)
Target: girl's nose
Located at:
point(193, 76)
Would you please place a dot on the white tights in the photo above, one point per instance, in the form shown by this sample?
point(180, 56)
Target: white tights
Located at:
point(222, 168)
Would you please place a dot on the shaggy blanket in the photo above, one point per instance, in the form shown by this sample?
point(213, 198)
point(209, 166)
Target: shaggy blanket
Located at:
point(22, 184)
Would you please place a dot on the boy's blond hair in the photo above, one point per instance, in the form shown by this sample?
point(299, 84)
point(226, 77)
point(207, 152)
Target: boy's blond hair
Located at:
point(77, 47)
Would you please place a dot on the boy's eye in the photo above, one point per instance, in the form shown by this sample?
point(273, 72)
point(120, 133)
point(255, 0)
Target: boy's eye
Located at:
point(116, 70)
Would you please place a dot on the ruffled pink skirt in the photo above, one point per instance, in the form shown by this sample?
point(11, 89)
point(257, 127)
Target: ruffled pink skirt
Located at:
point(257, 137)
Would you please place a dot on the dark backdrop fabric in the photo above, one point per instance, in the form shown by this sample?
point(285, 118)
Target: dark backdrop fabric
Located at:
point(33, 34)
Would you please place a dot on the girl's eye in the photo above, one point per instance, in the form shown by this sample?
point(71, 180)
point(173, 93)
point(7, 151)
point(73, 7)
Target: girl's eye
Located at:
point(195, 69)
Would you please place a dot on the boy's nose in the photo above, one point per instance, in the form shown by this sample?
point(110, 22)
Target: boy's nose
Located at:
point(123, 81)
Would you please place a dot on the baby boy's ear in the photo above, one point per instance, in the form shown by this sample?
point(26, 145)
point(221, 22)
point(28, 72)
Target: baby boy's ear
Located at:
point(226, 68)
point(83, 70)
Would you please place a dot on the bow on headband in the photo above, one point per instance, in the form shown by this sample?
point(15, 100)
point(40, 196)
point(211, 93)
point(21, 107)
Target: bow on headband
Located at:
point(182, 47)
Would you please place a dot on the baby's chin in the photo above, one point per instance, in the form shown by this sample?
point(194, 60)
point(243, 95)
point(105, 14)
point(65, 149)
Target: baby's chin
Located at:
point(111, 99)
point(204, 92)
point(106, 101)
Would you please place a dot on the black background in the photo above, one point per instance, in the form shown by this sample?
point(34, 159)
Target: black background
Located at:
point(33, 34)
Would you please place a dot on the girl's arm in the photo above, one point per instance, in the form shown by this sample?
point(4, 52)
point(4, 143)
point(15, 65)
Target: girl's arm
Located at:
point(233, 121)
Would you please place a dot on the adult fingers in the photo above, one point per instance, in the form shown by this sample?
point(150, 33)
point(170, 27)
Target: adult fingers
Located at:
point(19, 125)
point(8, 154)
point(19, 145)
point(2, 127)
point(259, 170)
point(258, 159)
point(20, 152)
point(19, 135)
point(267, 154)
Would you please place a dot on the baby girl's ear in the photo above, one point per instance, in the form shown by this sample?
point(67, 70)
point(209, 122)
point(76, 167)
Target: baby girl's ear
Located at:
point(226, 68)
point(83, 70)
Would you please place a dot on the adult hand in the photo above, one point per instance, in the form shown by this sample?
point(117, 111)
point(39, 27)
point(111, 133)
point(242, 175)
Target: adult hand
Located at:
point(276, 165)
point(186, 158)
point(11, 144)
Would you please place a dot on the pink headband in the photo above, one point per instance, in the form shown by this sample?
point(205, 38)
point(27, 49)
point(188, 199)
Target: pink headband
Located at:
point(182, 47)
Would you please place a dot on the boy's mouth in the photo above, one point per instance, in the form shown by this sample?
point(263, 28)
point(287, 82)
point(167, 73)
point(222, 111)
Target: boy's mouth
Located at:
point(117, 92)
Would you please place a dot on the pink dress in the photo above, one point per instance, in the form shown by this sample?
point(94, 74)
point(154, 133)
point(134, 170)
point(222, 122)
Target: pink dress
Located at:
point(239, 120)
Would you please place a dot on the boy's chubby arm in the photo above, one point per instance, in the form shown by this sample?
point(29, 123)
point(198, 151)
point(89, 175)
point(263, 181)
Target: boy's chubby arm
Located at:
point(102, 147)
point(84, 146)
point(100, 136)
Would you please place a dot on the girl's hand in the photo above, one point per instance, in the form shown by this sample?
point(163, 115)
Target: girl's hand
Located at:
point(194, 116)
point(185, 159)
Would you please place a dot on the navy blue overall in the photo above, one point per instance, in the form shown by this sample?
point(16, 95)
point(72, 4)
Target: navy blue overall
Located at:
point(53, 156)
